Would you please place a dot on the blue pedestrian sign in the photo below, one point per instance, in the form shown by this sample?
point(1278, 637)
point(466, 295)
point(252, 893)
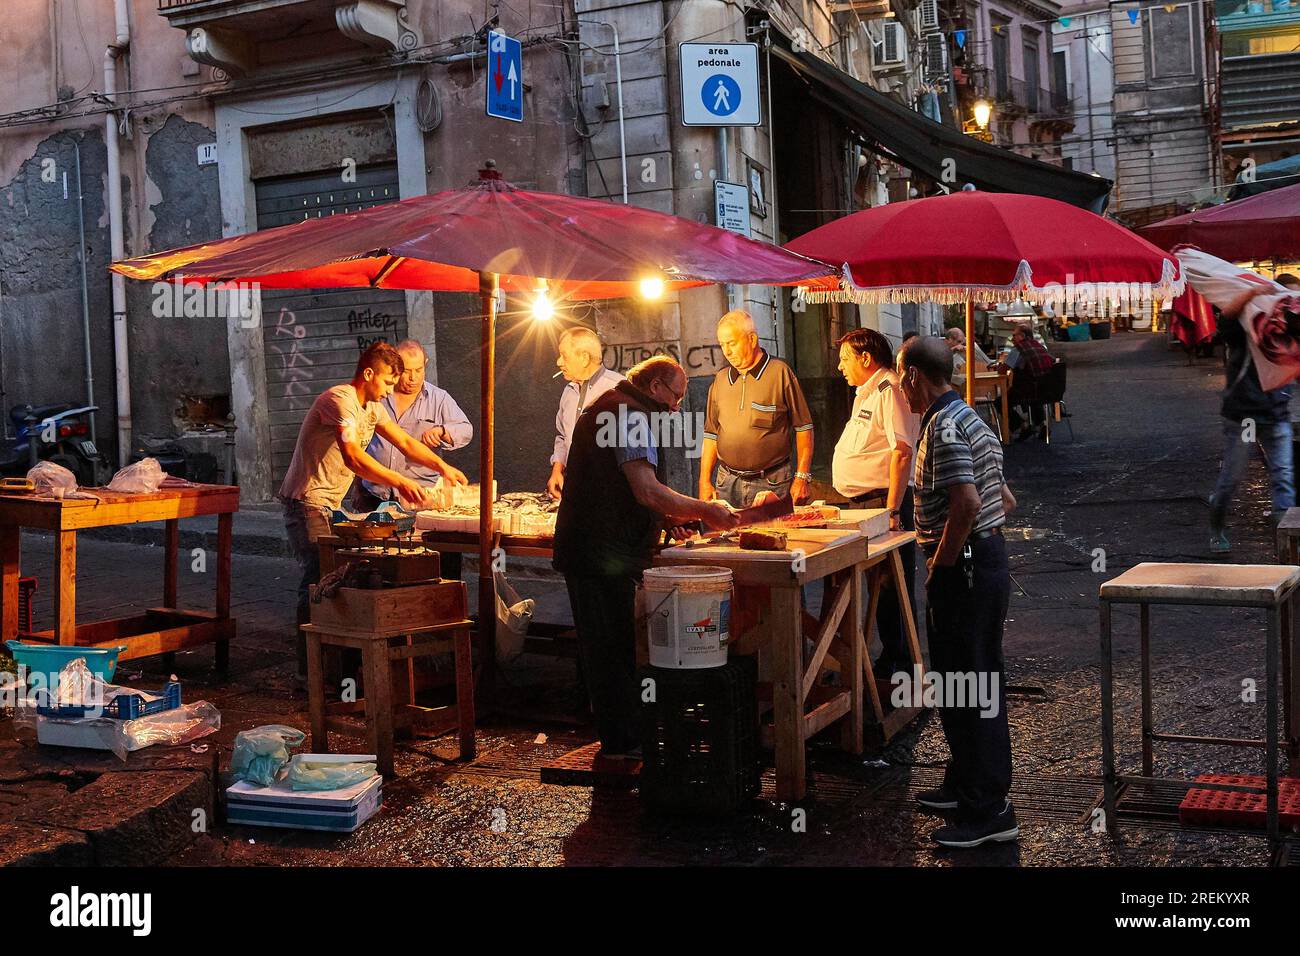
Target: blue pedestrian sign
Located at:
point(505, 77)
point(719, 83)
point(721, 95)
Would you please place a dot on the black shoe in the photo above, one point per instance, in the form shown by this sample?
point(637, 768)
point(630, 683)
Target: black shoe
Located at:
point(938, 799)
point(963, 836)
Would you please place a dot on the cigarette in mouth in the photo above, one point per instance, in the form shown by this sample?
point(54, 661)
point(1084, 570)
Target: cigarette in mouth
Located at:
point(558, 374)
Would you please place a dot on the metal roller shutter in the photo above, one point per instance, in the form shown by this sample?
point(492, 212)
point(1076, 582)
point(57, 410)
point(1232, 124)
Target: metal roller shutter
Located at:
point(313, 338)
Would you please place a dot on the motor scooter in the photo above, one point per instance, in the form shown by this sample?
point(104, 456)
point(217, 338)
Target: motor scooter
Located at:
point(56, 433)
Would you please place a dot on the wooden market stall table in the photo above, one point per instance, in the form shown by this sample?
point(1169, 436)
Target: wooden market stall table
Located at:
point(768, 585)
point(158, 630)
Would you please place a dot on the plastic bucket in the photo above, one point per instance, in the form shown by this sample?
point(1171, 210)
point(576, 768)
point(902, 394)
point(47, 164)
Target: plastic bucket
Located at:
point(52, 658)
point(688, 614)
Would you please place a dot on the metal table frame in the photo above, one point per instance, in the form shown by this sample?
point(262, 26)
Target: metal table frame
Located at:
point(1281, 619)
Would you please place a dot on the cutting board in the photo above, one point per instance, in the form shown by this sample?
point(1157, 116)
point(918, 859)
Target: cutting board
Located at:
point(808, 540)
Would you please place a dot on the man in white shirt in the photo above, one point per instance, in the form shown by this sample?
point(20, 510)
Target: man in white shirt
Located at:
point(581, 357)
point(872, 467)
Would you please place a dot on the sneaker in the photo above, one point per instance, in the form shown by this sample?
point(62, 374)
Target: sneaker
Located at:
point(1219, 543)
point(963, 836)
point(939, 799)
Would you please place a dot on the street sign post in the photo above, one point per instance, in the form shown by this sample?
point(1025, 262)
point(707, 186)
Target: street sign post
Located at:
point(719, 84)
point(505, 79)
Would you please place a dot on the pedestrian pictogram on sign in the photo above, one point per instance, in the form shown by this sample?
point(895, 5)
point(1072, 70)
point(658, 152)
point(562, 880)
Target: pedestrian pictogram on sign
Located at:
point(505, 80)
point(719, 84)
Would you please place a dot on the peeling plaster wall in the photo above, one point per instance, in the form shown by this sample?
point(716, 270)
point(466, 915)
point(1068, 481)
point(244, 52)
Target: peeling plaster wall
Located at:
point(175, 356)
point(41, 341)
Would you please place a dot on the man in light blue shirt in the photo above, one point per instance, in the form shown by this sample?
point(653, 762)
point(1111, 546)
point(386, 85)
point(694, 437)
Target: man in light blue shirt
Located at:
point(581, 361)
point(425, 412)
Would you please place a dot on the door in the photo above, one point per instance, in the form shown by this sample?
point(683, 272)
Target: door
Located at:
point(313, 338)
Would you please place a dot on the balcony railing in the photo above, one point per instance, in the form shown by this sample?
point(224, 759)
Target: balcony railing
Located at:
point(173, 4)
point(1015, 92)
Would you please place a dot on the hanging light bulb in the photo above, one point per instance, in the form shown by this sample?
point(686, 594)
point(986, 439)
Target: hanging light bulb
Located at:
point(652, 287)
point(983, 111)
point(543, 307)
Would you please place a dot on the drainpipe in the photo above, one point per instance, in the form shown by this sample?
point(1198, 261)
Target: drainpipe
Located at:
point(116, 228)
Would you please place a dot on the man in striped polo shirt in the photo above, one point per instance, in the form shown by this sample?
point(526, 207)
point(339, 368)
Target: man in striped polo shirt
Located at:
point(962, 501)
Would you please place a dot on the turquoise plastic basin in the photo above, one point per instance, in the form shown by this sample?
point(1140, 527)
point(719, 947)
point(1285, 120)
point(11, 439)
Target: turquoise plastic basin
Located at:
point(52, 658)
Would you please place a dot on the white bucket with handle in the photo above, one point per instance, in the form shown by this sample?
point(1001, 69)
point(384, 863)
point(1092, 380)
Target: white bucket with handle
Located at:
point(688, 613)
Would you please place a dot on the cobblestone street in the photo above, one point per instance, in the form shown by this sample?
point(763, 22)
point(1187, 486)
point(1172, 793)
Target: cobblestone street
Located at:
point(1130, 487)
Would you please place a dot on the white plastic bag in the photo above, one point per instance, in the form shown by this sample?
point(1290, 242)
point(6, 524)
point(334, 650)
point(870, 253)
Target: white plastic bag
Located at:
point(142, 478)
point(514, 614)
point(1271, 318)
point(52, 479)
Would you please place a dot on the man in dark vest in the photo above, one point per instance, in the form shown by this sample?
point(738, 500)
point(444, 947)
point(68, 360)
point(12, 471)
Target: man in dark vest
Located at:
point(613, 512)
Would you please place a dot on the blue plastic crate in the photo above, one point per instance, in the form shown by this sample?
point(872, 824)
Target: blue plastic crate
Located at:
point(121, 707)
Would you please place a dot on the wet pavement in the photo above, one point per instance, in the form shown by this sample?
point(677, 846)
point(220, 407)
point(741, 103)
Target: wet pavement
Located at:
point(1130, 487)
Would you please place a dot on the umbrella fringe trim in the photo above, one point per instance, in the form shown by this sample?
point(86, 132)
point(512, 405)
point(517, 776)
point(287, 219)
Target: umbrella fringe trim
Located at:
point(1022, 287)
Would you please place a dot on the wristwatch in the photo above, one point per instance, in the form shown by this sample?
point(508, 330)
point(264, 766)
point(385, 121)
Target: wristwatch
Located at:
point(805, 475)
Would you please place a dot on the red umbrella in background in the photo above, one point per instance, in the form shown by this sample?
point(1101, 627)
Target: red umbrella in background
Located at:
point(1266, 226)
point(488, 236)
point(972, 247)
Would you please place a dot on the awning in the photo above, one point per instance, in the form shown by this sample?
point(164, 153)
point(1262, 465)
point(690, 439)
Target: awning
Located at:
point(921, 143)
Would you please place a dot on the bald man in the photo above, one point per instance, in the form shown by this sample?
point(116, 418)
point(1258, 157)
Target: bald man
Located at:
point(581, 360)
point(755, 411)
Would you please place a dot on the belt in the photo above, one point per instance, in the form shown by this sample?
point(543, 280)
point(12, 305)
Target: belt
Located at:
point(974, 536)
point(755, 474)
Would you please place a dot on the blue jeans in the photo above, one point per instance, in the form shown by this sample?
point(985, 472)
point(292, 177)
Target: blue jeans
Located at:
point(305, 523)
point(740, 492)
point(1273, 439)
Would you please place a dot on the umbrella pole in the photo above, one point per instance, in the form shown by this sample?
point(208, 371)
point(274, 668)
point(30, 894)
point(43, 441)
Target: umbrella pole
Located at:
point(970, 353)
point(488, 283)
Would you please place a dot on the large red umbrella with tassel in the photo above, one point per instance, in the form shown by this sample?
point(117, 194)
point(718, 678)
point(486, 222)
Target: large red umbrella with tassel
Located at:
point(487, 236)
point(972, 247)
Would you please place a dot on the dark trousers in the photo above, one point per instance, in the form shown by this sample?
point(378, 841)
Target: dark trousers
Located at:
point(1024, 393)
point(895, 654)
point(965, 618)
point(604, 615)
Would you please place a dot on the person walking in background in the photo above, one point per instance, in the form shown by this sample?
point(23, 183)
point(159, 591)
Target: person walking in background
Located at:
point(1252, 418)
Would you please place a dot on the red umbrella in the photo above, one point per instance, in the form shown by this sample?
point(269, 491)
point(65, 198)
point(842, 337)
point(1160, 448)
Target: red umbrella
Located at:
point(985, 247)
point(1266, 226)
point(487, 236)
point(584, 248)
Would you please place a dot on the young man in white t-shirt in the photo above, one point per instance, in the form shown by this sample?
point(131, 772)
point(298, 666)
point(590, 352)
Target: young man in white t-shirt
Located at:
point(331, 451)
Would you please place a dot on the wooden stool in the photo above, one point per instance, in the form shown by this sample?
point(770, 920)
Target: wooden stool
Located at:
point(1266, 586)
point(380, 650)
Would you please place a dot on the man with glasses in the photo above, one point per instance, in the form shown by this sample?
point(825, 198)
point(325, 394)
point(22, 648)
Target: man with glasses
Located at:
point(612, 515)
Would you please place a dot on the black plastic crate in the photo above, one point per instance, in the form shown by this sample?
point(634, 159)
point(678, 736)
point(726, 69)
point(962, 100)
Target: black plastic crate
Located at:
point(26, 586)
point(699, 738)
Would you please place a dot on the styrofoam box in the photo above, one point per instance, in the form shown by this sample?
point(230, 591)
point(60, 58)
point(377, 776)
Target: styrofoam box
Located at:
point(87, 733)
point(872, 522)
point(279, 805)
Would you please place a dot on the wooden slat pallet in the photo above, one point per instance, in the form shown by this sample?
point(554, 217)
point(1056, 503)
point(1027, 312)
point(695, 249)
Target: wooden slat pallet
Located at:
point(585, 767)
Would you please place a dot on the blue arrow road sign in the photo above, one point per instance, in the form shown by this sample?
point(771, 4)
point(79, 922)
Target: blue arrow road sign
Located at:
point(505, 79)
